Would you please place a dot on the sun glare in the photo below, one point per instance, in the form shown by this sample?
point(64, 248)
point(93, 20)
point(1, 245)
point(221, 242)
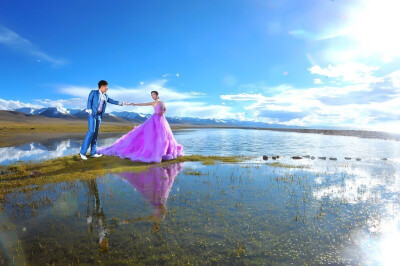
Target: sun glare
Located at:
point(375, 28)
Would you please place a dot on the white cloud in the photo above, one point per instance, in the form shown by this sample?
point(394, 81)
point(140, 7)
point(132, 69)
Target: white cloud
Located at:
point(12, 105)
point(178, 103)
point(135, 94)
point(168, 75)
point(64, 103)
point(318, 81)
point(349, 72)
point(326, 35)
point(195, 93)
point(14, 41)
point(364, 105)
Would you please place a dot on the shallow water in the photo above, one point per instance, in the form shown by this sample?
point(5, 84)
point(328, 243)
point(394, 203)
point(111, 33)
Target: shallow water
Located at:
point(230, 142)
point(315, 212)
point(342, 213)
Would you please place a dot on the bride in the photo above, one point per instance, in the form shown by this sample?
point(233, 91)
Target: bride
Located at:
point(151, 141)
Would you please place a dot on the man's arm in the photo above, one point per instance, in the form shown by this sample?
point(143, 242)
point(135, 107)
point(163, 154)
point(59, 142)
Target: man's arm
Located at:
point(90, 100)
point(115, 102)
point(89, 103)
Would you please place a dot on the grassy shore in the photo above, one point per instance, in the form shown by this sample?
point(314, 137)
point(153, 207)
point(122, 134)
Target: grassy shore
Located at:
point(33, 175)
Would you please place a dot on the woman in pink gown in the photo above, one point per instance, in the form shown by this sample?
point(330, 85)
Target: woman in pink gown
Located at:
point(152, 141)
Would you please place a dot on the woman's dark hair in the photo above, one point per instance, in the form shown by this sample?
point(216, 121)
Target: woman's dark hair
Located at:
point(156, 92)
point(102, 82)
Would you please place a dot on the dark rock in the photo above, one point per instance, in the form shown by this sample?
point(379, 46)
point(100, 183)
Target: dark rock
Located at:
point(322, 158)
point(332, 159)
point(273, 157)
point(347, 158)
point(265, 157)
point(312, 157)
point(307, 156)
point(35, 174)
point(358, 159)
point(297, 157)
point(384, 159)
point(277, 156)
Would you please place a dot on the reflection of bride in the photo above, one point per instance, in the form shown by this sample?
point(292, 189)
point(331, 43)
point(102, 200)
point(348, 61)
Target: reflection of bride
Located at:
point(154, 185)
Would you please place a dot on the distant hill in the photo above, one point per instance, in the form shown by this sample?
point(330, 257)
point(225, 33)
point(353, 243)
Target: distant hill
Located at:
point(132, 117)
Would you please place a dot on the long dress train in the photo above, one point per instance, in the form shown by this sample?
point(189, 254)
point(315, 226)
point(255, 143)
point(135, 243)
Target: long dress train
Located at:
point(152, 141)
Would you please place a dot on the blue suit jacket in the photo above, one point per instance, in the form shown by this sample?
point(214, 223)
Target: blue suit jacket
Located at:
point(93, 101)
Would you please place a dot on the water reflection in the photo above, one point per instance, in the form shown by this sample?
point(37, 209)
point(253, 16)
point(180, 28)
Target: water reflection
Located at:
point(95, 216)
point(154, 185)
point(249, 213)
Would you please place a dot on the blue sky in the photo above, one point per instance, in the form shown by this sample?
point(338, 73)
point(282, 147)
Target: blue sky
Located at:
point(309, 63)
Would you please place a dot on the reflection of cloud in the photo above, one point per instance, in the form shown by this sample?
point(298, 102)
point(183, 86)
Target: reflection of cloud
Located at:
point(362, 184)
point(13, 154)
point(14, 41)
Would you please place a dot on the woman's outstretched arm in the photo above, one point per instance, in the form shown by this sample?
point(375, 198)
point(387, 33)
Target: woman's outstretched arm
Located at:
point(141, 104)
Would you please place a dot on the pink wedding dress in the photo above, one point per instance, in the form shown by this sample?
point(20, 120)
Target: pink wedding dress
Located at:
point(152, 141)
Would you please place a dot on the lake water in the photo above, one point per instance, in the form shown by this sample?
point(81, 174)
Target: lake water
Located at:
point(255, 212)
point(230, 142)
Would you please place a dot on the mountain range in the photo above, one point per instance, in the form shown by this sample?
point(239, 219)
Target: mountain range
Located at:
point(132, 117)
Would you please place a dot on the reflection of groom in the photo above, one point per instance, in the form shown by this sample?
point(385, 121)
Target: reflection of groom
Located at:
point(96, 106)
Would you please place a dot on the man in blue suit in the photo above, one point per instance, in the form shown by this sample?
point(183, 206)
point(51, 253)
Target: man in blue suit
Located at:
point(96, 106)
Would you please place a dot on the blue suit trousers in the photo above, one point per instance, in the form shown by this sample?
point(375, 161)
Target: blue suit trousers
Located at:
point(91, 136)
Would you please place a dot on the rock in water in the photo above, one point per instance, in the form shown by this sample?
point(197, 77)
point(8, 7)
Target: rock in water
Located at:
point(273, 157)
point(297, 157)
point(312, 157)
point(307, 156)
point(358, 159)
point(384, 159)
point(322, 158)
point(265, 157)
point(332, 159)
point(347, 158)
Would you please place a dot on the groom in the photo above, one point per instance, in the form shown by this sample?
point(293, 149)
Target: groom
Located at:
point(96, 106)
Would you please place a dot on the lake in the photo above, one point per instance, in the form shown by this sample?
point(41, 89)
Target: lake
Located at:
point(229, 142)
point(255, 212)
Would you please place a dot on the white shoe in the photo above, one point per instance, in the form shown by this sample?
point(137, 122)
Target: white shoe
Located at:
point(96, 155)
point(83, 157)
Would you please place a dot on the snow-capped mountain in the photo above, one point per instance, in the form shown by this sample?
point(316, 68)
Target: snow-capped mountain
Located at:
point(131, 116)
point(54, 112)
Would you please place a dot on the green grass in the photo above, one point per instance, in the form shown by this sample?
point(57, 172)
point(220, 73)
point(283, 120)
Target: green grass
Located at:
point(33, 175)
point(282, 165)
